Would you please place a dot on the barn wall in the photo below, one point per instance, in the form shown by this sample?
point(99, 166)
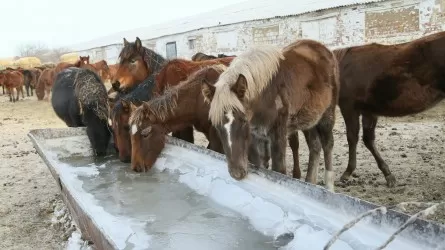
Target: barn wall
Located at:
point(386, 22)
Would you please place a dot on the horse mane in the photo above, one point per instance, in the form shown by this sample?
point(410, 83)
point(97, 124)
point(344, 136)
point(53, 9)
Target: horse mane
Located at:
point(162, 106)
point(258, 65)
point(91, 93)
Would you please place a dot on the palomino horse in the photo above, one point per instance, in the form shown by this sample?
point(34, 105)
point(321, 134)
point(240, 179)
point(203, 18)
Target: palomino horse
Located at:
point(269, 94)
point(135, 65)
point(179, 107)
point(388, 80)
point(12, 79)
point(171, 74)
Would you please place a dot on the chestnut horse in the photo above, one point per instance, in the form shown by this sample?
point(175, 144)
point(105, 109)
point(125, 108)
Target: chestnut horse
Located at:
point(269, 94)
point(102, 70)
point(136, 63)
point(179, 107)
point(13, 79)
point(120, 114)
point(388, 80)
point(171, 74)
point(44, 84)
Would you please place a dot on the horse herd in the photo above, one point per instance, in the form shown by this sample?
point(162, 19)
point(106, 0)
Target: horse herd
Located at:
point(251, 105)
point(41, 78)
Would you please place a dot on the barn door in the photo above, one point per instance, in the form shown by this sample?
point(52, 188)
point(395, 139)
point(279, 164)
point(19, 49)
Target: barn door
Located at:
point(171, 50)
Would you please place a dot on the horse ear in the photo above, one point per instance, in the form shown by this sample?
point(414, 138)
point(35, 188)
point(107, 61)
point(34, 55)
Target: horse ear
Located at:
point(211, 75)
point(208, 91)
point(138, 43)
point(126, 42)
point(240, 87)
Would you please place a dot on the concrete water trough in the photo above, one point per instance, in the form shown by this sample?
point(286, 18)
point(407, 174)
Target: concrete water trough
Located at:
point(189, 201)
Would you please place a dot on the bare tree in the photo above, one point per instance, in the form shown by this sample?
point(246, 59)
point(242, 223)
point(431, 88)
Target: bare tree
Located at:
point(42, 52)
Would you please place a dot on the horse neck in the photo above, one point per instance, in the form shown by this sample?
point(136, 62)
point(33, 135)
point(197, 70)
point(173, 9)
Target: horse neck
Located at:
point(185, 110)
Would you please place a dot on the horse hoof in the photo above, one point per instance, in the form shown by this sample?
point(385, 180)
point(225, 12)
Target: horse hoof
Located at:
point(345, 177)
point(238, 173)
point(390, 181)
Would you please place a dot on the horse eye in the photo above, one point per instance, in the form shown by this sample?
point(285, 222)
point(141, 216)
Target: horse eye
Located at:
point(133, 61)
point(127, 128)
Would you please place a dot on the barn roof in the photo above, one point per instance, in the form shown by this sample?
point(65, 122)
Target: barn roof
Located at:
point(245, 11)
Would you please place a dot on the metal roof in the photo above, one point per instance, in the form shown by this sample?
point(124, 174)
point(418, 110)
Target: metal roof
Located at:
point(245, 11)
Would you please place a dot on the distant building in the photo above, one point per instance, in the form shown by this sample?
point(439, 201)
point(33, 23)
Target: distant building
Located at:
point(230, 30)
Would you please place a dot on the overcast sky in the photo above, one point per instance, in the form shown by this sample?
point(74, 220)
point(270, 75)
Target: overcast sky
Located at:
point(63, 23)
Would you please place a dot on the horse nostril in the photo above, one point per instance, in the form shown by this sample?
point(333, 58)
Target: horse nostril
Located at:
point(116, 85)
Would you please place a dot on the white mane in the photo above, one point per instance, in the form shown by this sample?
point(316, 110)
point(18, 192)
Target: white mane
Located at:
point(258, 65)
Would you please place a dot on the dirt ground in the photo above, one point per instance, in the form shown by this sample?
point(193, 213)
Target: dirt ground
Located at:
point(412, 146)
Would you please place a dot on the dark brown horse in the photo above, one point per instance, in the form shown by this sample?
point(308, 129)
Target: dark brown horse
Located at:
point(203, 57)
point(136, 63)
point(179, 107)
point(269, 94)
point(388, 80)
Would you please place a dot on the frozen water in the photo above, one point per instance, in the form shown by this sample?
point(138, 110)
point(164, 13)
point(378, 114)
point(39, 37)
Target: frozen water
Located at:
point(189, 201)
point(175, 215)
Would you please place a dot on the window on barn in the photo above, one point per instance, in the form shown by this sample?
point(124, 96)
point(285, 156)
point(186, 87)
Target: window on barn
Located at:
point(192, 43)
point(171, 50)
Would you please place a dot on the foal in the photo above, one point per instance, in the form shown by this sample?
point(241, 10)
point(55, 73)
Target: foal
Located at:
point(179, 107)
point(271, 93)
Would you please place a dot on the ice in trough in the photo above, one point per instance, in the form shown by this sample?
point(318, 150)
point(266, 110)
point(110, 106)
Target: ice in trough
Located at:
point(189, 201)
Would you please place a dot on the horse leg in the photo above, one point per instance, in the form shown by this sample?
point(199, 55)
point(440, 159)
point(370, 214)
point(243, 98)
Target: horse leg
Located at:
point(23, 92)
point(314, 145)
point(278, 136)
point(265, 154)
point(32, 91)
point(351, 118)
point(11, 94)
point(294, 144)
point(325, 127)
point(369, 123)
point(257, 151)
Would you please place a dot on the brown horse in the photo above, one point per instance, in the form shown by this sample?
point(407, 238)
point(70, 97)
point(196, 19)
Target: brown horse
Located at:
point(203, 57)
point(102, 70)
point(388, 80)
point(13, 79)
point(181, 106)
point(84, 60)
point(171, 74)
point(136, 63)
point(178, 70)
point(44, 84)
point(270, 94)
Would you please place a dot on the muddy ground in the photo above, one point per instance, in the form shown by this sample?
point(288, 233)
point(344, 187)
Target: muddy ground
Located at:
point(413, 147)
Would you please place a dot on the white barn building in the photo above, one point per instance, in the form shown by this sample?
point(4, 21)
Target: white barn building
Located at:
point(230, 30)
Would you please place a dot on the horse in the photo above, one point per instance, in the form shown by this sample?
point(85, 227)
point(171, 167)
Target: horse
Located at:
point(13, 79)
point(120, 114)
point(31, 77)
point(387, 80)
point(172, 73)
point(136, 63)
point(269, 94)
point(203, 57)
point(179, 107)
point(176, 70)
point(80, 100)
point(102, 69)
point(84, 60)
point(44, 84)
